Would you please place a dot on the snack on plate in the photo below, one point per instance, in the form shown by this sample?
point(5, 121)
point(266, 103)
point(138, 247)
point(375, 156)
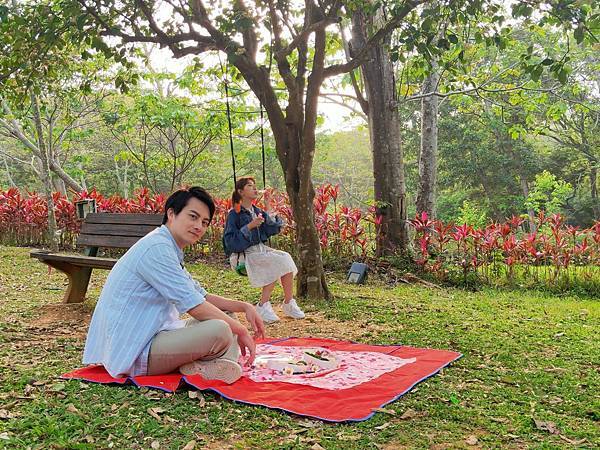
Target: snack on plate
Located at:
point(321, 358)
point(312, 360)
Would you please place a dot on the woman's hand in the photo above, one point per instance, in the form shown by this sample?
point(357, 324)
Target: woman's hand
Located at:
point(267, 201)
point(256, 222)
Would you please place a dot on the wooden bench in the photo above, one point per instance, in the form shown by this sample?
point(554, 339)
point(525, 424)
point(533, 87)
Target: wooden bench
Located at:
point(98, 230)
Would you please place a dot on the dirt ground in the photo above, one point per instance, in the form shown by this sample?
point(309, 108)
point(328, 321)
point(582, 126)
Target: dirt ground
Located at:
point(72, 320)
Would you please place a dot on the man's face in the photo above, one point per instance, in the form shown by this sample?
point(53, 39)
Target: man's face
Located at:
point(190, 224)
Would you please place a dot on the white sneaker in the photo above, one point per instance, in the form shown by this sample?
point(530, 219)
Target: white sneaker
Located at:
point(265, 311)
point(292, 310)
point(216, 369)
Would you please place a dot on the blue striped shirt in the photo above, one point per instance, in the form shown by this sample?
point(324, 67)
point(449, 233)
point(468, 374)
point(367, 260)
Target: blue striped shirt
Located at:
point(145, 293)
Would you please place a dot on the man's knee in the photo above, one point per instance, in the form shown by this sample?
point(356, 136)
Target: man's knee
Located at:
point(220, 332)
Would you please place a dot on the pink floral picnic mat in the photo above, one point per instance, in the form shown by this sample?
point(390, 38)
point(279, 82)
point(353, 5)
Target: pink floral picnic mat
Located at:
point(365, 378)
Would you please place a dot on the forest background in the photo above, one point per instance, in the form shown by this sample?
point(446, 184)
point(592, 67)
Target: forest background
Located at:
point(498, 117)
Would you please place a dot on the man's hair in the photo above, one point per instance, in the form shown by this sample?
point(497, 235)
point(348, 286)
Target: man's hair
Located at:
point(179, 199)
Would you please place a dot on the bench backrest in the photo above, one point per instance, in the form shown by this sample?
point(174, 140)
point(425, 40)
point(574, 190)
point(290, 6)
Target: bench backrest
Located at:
point(116, 230)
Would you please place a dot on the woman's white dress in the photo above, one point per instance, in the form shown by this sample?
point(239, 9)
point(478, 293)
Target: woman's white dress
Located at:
point(264, 264)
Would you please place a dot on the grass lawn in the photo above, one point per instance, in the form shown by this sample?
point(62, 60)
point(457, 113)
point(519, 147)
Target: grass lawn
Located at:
point(529, 377)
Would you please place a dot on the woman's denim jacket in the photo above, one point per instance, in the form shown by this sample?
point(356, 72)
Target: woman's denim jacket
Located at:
point(237, 237)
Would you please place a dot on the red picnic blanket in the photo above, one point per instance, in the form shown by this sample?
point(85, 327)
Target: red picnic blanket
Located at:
point(368, 378)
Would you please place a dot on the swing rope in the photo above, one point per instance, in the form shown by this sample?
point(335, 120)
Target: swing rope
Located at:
point(230, 126)
point(262, 145)
point(231, 144)
point(225, 82)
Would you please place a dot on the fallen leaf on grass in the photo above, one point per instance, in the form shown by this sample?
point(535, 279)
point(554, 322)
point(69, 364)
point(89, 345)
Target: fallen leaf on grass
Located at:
point(28, 390)
point(499, 419)
point(555, 369)
point(5, 436)
point(71, 408)
point(411, 414)
point(557, 335)
point(472, 440)
point(154, 412)
point(347, 437)
point(384, 426)
point(190, 446)
point(4, 414)
point(308, 424)
point(572, 441)
point(197, 395)
point(548, 426)
point(317, 447)
point(155, 445)
point(385, 410)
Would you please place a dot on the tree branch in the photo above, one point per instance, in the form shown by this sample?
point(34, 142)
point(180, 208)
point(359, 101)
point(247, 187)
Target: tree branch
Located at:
point(360, 58)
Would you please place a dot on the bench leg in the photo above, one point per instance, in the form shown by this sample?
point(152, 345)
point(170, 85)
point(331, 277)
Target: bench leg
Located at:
point(79, 279)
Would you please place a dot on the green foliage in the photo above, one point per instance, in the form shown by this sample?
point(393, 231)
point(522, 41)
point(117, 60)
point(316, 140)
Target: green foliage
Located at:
point(471, 214)
point(548, 194)
point(344, 158)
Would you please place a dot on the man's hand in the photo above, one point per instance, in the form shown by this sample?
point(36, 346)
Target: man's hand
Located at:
point(256, 322)
point(247, 345)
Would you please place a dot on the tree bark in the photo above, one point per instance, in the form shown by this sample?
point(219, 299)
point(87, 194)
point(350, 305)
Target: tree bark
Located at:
point(384, 131)
point(594, 192)
point(429, 143)
point(45, 173)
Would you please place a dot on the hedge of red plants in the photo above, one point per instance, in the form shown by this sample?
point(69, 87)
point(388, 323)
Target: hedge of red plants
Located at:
point(554, 253)
point(449, 252)
point(343, 231)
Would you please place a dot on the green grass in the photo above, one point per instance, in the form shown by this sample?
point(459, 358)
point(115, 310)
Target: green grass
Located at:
point(527, 355)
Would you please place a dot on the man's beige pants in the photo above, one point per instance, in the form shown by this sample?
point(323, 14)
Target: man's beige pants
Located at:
point(204, 340)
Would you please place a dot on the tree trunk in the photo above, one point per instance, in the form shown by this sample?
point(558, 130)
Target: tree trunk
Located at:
point(429, 144)
point(45, 173)
point(384, 131)
point(294, 135)
point(311, 281)
point(56, 168)
point(8, 176)
point(594, 191)
point(59, 185)
point(530, 211)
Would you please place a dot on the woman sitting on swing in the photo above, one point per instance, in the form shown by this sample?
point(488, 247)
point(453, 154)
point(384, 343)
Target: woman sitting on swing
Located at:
point(247, 229)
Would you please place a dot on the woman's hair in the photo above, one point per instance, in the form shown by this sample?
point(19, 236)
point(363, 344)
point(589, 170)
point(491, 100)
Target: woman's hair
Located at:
point(179, 199)
point(239, 185)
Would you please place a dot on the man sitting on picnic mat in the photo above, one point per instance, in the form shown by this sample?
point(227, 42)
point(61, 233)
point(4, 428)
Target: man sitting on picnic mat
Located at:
point(136, 329)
